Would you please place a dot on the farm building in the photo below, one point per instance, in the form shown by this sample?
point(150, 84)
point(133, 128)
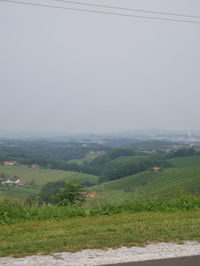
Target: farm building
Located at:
point(35, 165)
point(156, 168)
point(89, 194)
point(92, 195)
point(9, 163)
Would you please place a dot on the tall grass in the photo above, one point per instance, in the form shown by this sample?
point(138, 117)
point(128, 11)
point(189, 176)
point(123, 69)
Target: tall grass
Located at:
point(16, 212)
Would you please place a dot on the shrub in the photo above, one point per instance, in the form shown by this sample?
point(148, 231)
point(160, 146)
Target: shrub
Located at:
point(72, 193)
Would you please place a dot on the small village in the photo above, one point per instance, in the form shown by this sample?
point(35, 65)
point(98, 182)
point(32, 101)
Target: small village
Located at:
point(14, 181)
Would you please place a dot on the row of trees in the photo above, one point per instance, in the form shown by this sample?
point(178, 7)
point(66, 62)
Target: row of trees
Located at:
point(183, 152)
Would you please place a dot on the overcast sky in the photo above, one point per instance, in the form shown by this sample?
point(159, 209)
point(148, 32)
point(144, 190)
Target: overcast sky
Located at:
point(75, 72)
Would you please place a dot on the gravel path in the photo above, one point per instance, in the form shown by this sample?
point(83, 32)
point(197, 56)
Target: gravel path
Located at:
point(98, 257)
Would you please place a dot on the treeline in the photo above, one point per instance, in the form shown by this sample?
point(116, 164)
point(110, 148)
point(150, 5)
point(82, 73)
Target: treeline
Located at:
point(44, 151)
point(182, 152)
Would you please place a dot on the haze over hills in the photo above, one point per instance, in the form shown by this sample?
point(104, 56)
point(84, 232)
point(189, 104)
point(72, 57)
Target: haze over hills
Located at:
point(131, 135)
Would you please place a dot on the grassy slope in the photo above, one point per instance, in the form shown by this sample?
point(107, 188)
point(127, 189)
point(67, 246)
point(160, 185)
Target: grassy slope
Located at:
point(98, 232)
point(88, 158)
point(39, 176)
point(122, 159)
point(163, 183)
point(186, 161)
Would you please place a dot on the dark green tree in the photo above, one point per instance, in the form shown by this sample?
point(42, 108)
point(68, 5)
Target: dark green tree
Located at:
point(50, 189)
point(72, 193)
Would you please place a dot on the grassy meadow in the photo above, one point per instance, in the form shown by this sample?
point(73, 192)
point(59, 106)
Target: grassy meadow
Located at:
point(36, 178)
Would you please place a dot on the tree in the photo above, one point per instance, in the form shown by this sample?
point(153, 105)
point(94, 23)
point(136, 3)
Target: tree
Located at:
point(72, 193)
point(50, 189)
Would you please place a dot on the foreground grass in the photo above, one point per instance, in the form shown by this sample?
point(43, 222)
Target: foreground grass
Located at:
point(19, 212)
point(44, 237)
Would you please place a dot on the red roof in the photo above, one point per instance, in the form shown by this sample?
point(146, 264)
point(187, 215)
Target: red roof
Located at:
point(7, 162)
point(155, 168)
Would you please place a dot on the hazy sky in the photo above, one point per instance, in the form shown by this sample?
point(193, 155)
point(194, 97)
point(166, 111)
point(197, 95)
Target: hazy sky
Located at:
point(77, 72)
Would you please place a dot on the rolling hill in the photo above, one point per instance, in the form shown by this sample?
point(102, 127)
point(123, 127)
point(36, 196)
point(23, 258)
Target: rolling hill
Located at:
point(185, 174)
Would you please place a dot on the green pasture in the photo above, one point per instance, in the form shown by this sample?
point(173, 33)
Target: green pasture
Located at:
point(42, 176)
point(36, 178)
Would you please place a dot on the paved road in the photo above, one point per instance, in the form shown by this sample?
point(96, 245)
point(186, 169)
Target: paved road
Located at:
point(184, 261)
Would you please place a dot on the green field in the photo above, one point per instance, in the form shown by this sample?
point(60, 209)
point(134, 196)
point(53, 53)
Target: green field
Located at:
point(36, 178)
point(42, 176)
point(139, 229)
